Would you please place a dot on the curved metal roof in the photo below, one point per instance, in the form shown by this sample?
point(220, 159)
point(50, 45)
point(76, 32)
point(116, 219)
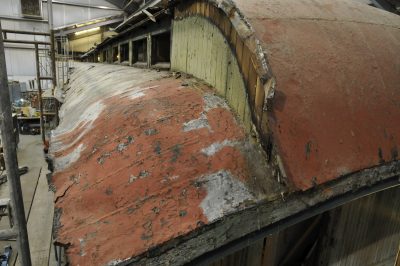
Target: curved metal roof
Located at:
point(337, 71)
point(145, 160)
point(178, 152)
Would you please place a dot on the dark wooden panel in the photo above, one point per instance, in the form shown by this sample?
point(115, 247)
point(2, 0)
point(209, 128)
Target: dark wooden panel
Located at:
point(363, 232)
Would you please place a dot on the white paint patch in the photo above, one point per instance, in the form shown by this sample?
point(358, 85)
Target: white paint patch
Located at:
point(85, 120)
point(225, 193)
point(116, 262)
point(132, 179)
point(64, 162)
point(212, 101)
point(89, 115)
point(85, 95)
point(196, 124)
point(217, 146)
point(136, 95)
point(169, 179)
point(82, 244)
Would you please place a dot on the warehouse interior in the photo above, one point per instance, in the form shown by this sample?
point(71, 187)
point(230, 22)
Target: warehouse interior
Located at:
point(200, 132)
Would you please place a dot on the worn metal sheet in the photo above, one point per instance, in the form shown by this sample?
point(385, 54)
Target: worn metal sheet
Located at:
point(337, 66)
point(141, 159)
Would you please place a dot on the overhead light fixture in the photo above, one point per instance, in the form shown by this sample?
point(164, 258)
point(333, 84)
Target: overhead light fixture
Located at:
point(87, 31)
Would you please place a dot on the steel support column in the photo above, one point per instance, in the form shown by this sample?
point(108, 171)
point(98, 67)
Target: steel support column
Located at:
point(11, 162)
point(52, 54)
point(42, 131)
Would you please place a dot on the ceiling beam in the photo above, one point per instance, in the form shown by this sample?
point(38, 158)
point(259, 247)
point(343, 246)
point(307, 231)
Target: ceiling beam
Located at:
point(62, 32)
point(56, 2)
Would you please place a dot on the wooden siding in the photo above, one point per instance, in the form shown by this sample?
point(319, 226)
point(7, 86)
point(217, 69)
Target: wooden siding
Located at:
point(199, 48)
point(364, 232)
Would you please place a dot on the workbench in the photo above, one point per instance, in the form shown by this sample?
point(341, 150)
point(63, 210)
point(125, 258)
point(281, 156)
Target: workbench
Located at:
point(29, 124)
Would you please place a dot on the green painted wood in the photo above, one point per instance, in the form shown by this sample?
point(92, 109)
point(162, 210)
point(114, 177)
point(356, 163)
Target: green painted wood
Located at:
point(199, 48)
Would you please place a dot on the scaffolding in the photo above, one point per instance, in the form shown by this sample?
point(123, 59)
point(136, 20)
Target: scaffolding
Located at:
point(64, 60)
point(45, 67)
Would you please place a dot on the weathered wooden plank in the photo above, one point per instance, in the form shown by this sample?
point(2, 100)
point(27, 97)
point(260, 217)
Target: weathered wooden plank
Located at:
point(174, 52)
point(252, 83)
point(202, 50)
point(212, 11)
point(198, 7)
point(239, 50)
point(210, 58)
point(180, 48)
point(247, 116)
point(233, 37)
point(227, 27)
point(224, 67)
point(264, 125)
point(246, 60)
point(368, 244)
point(270, 250)
point(259, 101)
point(203, 8)
point(193, 8)
point(242, 101)
point(237, 89)
point(254, 254)
point(207, 10)
point(207, 27)
point(220, 65)
point(194, 47)
point(214, 54)
point(229, 78)
point(220, 20)
point(189, 38)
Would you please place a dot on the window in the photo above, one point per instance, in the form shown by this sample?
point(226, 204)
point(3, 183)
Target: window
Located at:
point(109, 55)
point(115, 54)
point(139, 51)
point(161, 48)
point(31, 8)
point(104, 59)
point(124, 52)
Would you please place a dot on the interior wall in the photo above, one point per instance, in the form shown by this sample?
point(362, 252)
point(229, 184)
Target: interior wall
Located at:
point(66, 15)
point(85, 43)
point(20, 59)
point(200, 49)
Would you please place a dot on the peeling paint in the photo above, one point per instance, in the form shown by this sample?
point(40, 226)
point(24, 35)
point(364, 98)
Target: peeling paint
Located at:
point(213, 101)
point(196, 124)
point(116, 262)
point(225, 194)
point(133, 172)
point(82, 125)
point(216, 147)
point(61, 163)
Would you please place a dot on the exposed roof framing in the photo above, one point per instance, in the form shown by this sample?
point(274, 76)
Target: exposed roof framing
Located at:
point(99, 22)
point(83, 5)
point(128, 5)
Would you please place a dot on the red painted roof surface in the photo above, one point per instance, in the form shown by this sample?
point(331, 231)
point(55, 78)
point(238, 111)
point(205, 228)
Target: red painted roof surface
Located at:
point(337, 67)
point(158, 161)
point(141, 159)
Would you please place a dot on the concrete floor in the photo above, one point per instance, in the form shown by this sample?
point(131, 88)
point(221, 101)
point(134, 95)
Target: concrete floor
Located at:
point(38, 203)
